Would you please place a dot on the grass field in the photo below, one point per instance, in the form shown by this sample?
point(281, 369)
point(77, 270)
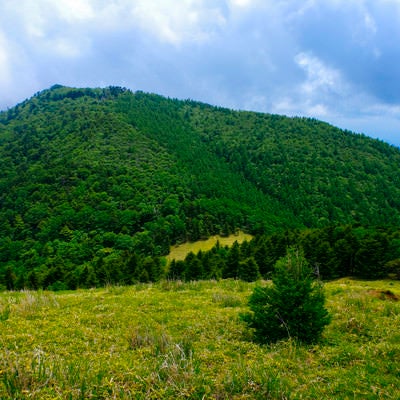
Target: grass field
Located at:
point(180, 251)
point(174, 340)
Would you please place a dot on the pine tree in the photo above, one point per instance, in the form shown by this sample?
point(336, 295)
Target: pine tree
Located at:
point(292, 307)
point(9, 278)
point(248, 270)
point(194, 268)
point(232, 261)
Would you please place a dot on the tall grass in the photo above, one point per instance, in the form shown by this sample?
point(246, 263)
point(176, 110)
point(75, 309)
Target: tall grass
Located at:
point(176, 340)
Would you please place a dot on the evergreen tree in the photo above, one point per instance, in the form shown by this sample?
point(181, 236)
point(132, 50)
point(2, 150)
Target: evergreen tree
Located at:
point(371, 257)
point(194, 268)
point(248, 270)
point(33, 280)
point(9, 278)
point(232, 261)
point(176, 270)
point(292, 307)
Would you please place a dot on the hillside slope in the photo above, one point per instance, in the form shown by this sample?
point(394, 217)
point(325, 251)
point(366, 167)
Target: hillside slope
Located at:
point(95, 177)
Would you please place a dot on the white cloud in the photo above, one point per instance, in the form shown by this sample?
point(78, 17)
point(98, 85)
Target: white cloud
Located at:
point(42, 12)
point(244, 3)
point(370, 23)
point(320, 94)
point(318, 110)
point(378, 109)
point(295, 105)
point(319, 76)
point(240, 3)
point(192, 21)
point(29, 16)
point(17, 80)
point(73, 10)
point(67, 48)
point(298, 10)
point(5, 70)
point(364, 31)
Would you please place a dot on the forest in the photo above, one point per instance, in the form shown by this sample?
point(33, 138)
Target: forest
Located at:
point(97, 184)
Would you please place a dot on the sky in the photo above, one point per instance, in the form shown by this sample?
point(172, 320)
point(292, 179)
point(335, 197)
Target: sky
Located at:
point(334, 60)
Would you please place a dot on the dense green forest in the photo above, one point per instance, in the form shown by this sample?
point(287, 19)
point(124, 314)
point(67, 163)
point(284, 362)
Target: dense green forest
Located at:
point(333, 252)
point(96, 184)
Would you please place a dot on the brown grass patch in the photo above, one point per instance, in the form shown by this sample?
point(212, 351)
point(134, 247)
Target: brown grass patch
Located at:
point(384, 295)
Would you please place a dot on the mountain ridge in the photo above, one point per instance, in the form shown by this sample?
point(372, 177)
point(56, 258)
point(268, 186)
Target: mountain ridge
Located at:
point(101, 174)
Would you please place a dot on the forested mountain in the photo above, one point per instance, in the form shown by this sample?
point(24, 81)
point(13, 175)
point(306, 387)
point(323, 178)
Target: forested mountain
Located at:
point(95, 184)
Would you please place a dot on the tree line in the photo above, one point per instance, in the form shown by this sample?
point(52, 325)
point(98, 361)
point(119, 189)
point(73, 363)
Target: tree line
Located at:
point(332, 252)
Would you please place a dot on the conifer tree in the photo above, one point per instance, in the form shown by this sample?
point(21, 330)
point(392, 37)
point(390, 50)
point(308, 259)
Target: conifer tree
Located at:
point(292, 307)
point(9, 278)
point(248, 270)
point(232, 261)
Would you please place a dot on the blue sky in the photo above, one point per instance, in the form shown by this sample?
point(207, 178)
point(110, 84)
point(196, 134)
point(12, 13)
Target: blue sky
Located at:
point(335, 60)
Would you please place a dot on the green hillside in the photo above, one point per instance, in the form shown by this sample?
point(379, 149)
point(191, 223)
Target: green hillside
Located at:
point(96, 184)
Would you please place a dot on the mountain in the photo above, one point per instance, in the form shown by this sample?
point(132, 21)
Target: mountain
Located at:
point(100, 176)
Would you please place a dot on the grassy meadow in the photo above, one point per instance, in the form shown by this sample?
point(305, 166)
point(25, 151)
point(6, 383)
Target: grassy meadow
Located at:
point(174, 340)
point(180, 251)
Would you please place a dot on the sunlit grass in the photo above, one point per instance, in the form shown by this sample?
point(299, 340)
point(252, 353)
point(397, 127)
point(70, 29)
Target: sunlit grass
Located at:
point(175, 340)
point(179, 252)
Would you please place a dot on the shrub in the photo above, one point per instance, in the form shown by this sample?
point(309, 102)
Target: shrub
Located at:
point(293, 306)
point(5, 313)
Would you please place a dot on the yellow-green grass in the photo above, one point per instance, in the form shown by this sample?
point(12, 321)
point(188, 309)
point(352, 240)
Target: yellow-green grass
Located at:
point(174, 340)
point(180, 251)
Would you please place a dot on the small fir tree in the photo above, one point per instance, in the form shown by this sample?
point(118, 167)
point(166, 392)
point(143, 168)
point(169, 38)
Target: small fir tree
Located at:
point(248, 270)
point(9, 278)
point(293, 306)
point(232, 261)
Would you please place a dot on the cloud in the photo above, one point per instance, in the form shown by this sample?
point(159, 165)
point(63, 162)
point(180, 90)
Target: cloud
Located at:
point(241, 3)
point(320, 77)
point(16, 79)
point(4, 60)
point(74, 10)
point(192, 21)
point(336, 60)
point(358, 38)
